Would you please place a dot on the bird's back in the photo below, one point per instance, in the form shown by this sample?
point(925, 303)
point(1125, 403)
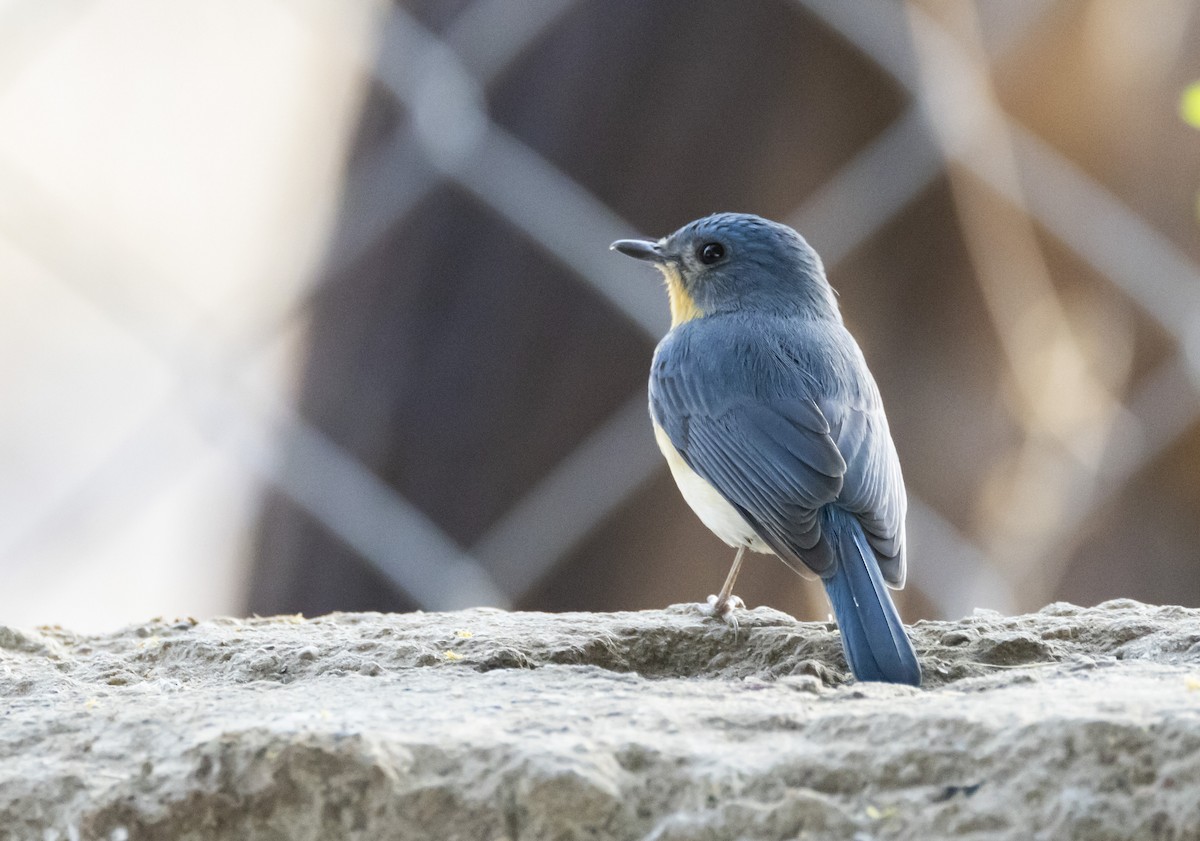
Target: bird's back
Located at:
point(763, 407)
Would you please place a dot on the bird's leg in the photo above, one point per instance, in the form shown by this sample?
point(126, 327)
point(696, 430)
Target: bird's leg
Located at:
point(726, 602)
point(731, 579)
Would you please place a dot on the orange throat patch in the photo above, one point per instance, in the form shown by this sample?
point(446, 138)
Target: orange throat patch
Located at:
point(683, 307)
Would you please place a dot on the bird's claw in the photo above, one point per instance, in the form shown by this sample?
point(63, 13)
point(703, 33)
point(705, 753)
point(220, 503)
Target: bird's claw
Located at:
point(725, 611)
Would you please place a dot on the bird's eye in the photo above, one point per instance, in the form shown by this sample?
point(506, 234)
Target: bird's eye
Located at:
point(711, 252)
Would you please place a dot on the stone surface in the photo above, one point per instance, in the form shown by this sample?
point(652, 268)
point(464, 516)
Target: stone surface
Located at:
point(1068, 723)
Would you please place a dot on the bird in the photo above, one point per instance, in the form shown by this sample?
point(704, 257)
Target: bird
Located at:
point(774, 428)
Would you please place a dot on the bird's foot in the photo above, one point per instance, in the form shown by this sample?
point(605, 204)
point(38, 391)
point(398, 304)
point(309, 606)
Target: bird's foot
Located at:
point(725, 610)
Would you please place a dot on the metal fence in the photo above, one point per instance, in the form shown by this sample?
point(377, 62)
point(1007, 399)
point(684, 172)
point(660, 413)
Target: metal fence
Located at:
point(1083, 440)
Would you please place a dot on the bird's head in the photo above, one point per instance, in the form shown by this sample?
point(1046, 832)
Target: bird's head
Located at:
point(737, 261)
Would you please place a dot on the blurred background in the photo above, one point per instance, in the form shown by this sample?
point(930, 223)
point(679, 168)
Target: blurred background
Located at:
point(307, 305)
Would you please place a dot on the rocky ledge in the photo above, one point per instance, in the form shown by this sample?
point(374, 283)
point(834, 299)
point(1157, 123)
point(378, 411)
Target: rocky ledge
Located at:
point(486, 725)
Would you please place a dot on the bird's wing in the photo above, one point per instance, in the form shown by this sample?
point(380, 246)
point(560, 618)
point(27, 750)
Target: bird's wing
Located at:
point(772, 458)
point(741, 416)
point(873, 486)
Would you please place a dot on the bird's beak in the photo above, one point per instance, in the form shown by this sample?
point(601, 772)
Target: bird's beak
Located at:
point(641, 249)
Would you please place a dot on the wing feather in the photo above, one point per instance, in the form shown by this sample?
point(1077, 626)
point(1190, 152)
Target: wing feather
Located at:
point(750, 417)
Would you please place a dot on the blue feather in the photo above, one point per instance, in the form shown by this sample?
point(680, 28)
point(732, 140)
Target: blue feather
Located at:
point(873, 637)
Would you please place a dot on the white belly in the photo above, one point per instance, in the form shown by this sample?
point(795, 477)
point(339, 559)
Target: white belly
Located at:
point(713, 510)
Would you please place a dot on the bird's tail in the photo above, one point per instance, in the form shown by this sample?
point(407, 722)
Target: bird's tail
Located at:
point(872, 635)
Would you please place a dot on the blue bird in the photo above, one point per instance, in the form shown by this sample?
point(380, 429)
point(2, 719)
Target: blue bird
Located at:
point(773, 426)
